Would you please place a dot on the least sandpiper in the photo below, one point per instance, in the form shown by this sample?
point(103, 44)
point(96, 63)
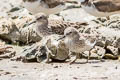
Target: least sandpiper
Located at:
point(101, 8)
point(45, 6)
point(78, 43)
point(41, 25)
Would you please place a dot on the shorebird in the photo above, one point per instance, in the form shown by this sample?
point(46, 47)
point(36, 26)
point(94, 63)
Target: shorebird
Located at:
point(78, 43)
point(44, 6)
point(101, 8)
point(41, 25)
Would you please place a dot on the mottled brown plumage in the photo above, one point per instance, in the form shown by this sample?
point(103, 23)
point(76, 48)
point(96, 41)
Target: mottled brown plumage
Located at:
point(45, 6)
point(42, 25)
point(101, 8)
point(53, 3)
point(107, 5)
point(50, 3)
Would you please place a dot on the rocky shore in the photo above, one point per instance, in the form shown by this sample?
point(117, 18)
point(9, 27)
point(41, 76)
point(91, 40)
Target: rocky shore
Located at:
point(19, 42)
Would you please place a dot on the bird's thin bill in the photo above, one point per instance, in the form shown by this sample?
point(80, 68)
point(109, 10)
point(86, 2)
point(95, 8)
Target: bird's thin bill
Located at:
point(31, 23)
point(61, 38)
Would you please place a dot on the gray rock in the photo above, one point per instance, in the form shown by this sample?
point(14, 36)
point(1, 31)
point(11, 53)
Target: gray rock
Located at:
point(58, 49)
point(96, 53)
point(40, 51)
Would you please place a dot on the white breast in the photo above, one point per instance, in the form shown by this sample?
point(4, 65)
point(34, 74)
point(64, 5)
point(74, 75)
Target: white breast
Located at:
point(89, 45)
point(35, 7)
point(55, 43)
point(72, 46)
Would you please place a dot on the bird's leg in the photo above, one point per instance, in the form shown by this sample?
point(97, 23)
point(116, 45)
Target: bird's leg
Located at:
point(88, 56)
point(69, 55)
point(41, 57)
point(28, 36)
point(49, 54)
point(76, 57)
point(37, 57)
point(48, 49)
point(48, 57)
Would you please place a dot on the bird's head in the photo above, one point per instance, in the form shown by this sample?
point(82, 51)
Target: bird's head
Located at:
point(41, 18)
point(70, 32)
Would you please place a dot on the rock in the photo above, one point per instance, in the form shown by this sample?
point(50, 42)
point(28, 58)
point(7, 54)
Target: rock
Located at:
point(58, 49)
point(38, 52)
point(100, 51)
point(100, 43)
point(28, 54)
point(7, 51)
point(111, 56)
point(10, 32)
point(58, 26)
point(55, 17)
point(113, 50)
point(79, 15)
point(117, 43)
point(96, 53)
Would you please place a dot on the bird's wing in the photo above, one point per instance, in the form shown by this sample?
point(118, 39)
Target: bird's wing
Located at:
point(107, 5)
point(53, 3)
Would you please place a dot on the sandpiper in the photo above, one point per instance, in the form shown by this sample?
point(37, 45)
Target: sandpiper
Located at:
point(45, 6)
point(41, 25)
point(78, 43)
point(101, 8)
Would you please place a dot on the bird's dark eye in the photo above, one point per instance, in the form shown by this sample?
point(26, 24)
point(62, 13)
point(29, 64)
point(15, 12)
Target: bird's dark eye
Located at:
point(39, 18)
point(69, 33)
